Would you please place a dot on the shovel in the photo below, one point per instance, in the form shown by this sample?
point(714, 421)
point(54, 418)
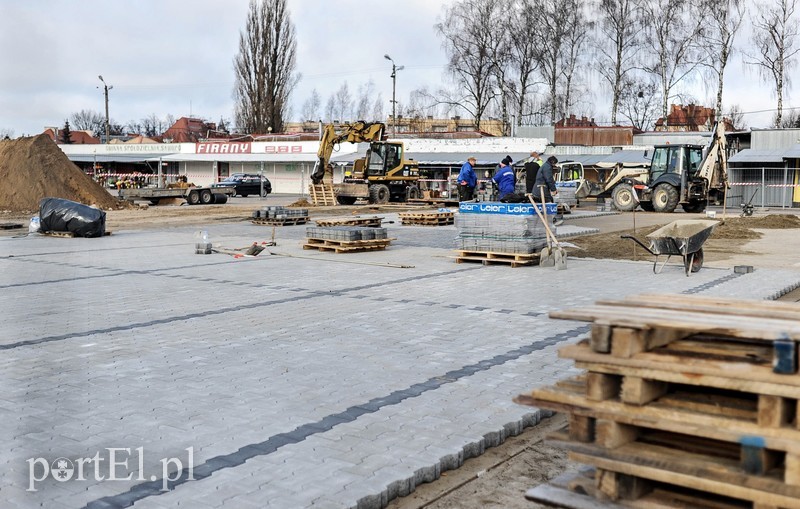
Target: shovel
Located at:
point(546, 258)
point(557, 253)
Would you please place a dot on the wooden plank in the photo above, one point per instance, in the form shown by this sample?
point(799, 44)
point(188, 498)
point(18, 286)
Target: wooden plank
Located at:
point(662, 416)
point(769, 329)
point(600, 340)
point(640, 391)
point(775, 411)
point(663, 365)
point(600, 386)
point(682, 477)
point(716, 305)
point(673, 460)
point(626, 342)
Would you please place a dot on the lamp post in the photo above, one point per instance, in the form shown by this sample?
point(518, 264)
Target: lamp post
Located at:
point(395, 68)
point(106, 88)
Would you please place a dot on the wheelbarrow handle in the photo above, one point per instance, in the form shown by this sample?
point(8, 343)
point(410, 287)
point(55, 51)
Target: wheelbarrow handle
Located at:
point(646, 248)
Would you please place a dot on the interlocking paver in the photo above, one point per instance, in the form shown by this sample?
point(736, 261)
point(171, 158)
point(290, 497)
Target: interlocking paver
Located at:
point(296, 381)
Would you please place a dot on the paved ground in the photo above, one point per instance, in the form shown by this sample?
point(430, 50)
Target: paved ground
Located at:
point(305, 380)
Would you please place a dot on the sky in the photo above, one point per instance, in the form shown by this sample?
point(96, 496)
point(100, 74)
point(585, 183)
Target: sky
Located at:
point(176, 57)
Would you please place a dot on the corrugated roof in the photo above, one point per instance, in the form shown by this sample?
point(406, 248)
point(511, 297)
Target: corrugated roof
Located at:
point(750, 155)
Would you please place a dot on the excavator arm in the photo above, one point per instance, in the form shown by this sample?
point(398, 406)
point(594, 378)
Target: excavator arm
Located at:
point(714, 167)
point(357, 132)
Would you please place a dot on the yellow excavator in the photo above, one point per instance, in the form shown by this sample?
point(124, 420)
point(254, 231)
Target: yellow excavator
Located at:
point(383, 175)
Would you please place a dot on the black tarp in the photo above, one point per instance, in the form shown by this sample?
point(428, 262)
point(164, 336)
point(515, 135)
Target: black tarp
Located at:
point(60, 215)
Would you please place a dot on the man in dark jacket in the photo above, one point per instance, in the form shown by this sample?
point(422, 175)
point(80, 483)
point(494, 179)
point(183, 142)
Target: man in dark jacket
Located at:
point(467, 180)
point(531, 169)
point(545, 181)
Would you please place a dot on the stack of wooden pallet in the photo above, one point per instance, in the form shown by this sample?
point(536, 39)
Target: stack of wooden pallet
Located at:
point(372, 222)
point(322, 194)
point(493, 258)
point(685, 402)
point(435, 218)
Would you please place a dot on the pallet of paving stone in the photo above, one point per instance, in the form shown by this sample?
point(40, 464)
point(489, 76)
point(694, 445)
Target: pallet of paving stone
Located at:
point(496, 258)
point(427, 218)
point(370, 222)
point(285, 221)
point(346, 246)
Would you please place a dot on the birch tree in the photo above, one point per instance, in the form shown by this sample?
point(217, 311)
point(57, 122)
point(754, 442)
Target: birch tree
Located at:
point(725, 19)
point(774, 43)
point(618, 45)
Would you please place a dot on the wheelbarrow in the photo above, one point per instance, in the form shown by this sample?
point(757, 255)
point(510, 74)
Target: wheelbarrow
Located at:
point(684, 237)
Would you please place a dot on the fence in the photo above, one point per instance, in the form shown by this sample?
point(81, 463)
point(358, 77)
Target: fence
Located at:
point(764, 186)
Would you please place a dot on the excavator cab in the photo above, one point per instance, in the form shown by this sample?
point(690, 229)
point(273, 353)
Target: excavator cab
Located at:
point(674, 179)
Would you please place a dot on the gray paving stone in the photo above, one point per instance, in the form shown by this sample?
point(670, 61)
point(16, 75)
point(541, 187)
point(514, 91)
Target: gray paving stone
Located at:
point(297, 381)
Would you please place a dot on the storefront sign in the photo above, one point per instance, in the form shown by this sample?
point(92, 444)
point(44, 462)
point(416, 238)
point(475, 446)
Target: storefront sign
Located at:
point(233, 147)
point(284, 149)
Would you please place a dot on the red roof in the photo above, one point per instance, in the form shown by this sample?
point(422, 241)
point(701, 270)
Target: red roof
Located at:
point(77, 137)
point(191, 130)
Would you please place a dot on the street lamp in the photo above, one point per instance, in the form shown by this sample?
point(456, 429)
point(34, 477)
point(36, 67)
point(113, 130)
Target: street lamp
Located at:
point(395, 68)
point(106, 88)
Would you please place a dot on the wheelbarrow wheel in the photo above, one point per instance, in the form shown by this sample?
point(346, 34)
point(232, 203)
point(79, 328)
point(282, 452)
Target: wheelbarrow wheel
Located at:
point(694, 261)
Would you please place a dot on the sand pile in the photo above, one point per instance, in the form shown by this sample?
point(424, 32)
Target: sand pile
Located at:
point(34, 168)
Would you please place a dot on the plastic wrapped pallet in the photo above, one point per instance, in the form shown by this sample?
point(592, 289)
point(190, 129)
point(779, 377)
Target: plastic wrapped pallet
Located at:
point(500, 227)
point(60, 215)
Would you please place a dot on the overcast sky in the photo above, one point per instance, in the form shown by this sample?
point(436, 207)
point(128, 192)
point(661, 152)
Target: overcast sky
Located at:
point(175, 57)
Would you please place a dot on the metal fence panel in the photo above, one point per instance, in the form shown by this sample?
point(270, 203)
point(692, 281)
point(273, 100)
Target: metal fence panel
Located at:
point(763, 187)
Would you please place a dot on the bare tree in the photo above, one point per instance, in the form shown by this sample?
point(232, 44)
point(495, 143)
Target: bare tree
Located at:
point(638, 102)
point(618, 44)
point(365, 94)
point(311, 106)
point(553, 26)
point(470, 32)
point(791, 120)
point(88, 120)
point(672, 28)
point(152, 125)
point(343, 103)
point(377, 108)
point(330, 108)
point(573, 54)
point(774, 42)
point(736, 116)
point(525, 52)
point(264, 67)
point(725, 19)
point(6, 133)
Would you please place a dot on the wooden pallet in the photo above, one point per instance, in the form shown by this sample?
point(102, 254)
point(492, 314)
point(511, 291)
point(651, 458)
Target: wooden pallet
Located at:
point(493, 258)
point(372, 222)
point(346, 246)
point(322, 194)
point(427, 218)
point(288, 221)
point(682, 393)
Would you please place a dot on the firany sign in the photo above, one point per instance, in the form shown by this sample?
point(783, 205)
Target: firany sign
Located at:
point(232, 147)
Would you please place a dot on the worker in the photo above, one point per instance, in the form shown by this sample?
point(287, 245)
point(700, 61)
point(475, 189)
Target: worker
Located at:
point(467, 180)
point(531, 169)
point(504, 178)
point(545, 182)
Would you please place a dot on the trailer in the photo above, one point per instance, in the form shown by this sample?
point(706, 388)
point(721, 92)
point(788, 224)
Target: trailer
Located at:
point(192, 195)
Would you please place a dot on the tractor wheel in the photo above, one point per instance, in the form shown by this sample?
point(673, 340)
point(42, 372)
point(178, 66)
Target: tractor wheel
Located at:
point(623, 198)
point(379, 194)
point(695, 206)
point(206, 197)
point(665, 198)
point(346, 200)
point(412, 193)
point(193, 198)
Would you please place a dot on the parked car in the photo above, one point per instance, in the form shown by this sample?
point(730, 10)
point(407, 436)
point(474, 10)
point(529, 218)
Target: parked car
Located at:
point(245, 184)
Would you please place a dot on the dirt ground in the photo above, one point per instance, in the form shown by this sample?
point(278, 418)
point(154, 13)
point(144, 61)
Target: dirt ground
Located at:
point(500, 477)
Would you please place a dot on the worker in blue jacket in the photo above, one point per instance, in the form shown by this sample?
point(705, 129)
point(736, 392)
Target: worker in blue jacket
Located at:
point(504, 178)
point(467, 180)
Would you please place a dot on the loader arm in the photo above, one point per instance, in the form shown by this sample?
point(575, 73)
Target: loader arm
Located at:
point(357, 132)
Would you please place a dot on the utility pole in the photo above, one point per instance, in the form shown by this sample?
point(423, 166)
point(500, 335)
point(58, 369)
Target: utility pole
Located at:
point(395, 68)
point(106, 88)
